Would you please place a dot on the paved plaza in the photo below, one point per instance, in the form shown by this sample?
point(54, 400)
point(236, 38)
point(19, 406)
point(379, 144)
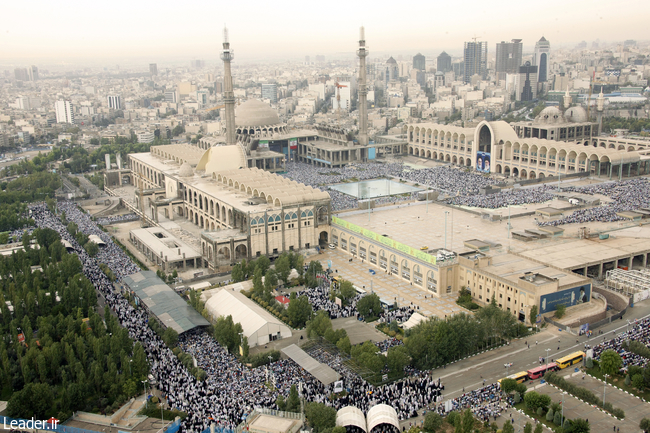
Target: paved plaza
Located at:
point(389, 287)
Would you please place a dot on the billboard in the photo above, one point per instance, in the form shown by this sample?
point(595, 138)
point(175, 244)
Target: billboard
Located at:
point(483, 162)
point(413, 252)
point(263, 144)
point(293, 143)
point(569, 297)
point(372, 153)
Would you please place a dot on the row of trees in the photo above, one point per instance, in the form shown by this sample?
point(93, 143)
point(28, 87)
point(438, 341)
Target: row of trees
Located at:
point(59, 355)
point(436, 342)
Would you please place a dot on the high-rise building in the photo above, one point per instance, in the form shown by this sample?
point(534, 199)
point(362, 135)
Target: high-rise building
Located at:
point(197, 64)
point(541, 59)
point(392, 70)
point(32, 72)
point(444, 63)
point(153, 69)
point(508, 58)
point(527, 88)
point(419, 62)
point(64, 112)
point(475, 57)
point(21, 74)
point(115, 102)
point(270, 92)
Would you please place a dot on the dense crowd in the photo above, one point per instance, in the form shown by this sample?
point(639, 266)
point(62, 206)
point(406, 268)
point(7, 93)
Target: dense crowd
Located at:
point(640, 331)
point(452, 181)
point(627, 195)
point(513, 197)
point(113, 219)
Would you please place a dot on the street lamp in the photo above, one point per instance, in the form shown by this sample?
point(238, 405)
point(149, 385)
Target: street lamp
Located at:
point(547, 350)
point(130, 361)
point(146, 396)
point(605, 389)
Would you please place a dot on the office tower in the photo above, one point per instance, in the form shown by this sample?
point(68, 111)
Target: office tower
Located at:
point(64, 112)
point(197, 64)
point(392, 70)
point(32, 72)
point(508, 58)
point(21, 74)
point(171, 96)
point(527, 86)
point(115, 102)
point(444, 63)
point(541, 60)
point(202, 97)
point(228, 94)
point(270, 92)
point(153, 69)
point(475, 57)
point(419, 62)
point(362, 52)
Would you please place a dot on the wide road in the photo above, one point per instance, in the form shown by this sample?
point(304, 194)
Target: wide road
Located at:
point(469, 373)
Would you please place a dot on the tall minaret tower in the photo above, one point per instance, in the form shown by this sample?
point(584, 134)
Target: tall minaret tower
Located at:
point(362, 52)
point(600, 107)
point(567, 99)
point(228, 95)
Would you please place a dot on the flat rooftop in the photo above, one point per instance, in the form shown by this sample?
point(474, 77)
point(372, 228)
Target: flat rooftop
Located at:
point(513, 267)
point(160, 241)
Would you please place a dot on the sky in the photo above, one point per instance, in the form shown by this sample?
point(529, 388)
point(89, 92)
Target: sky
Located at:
point(33, 31)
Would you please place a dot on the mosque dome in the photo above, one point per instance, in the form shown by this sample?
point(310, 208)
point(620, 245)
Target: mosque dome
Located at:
point(576, 115)
point(255, 113)
point(550, 115)
point(186, 170)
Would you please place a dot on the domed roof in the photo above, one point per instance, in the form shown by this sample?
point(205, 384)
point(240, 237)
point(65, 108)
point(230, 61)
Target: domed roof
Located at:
point(550, 115)
point(186, 170)
point(576, 114)
point(255, 113)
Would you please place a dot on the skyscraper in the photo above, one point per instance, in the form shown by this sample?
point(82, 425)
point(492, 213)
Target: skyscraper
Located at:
point(32, 71)
point(115, 102)
point(475, 57)
point(541, 59)
point(270, 92)
point(527, 88)
point(419, 62)
point(64, 112)
point(153, 69)
point(362, 52)
point(444, 63)
point(508, 58)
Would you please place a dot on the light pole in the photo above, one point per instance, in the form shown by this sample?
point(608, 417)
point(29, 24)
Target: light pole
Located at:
point(146, 397)
point(605, 389)
point(130, 361)
point(446, 212)
point(547, 350)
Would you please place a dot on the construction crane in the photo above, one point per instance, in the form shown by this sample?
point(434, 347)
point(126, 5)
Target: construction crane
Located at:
point(216, 108)
point(338, 99)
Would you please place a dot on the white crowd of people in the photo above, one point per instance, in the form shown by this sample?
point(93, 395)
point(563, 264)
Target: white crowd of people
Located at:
point(117, 219)
point(640, 331)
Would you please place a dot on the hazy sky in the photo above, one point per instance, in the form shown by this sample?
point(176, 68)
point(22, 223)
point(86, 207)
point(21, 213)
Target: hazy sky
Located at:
point(39, 30)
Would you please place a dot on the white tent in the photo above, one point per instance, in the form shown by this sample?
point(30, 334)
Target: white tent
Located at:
point(382, 414)
point(413, 321)
point(259, 325)
point(350, 415)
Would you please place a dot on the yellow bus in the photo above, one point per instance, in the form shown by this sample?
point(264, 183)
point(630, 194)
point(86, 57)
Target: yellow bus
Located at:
point(520, 377)
point(570, 359)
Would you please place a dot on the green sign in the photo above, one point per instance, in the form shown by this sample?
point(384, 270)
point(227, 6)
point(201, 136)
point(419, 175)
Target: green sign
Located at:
point(413, 252)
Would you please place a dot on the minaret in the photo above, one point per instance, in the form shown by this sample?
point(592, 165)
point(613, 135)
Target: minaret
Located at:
point(362, 52)
point(600, 107)
point(228, 95)
point(567, 99)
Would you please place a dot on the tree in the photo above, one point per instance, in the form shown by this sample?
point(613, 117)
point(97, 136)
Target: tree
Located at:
point(532, 400)
point(610, 362)
point(344, 344)
point(320, 417)
point(314, 268)
point(580, 425)
point(539, 428)
point(432, 422)
point(369, 306)
point(293, 402)
point(533, 314)
point(507, 427)
point(339, 429)
point(397, 358)
point(238, 273)
point(508, 385)
point(299, 310)
point(550, 415)
point(283, 267)
point(645, 425)
point(467, 421)
point(245, 347)
point(319, 324)
point(263, 263)
point(346, 291)
point(178, 130)
point(560, 311)
point(258, 285)
point(91, 248)
point(557, 418)
point(528, 428)
point(270, 280)
point(638, 382)
point(170, 337)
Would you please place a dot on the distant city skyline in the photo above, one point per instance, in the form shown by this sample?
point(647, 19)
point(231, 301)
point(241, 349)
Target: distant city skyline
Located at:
point(291, 29)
